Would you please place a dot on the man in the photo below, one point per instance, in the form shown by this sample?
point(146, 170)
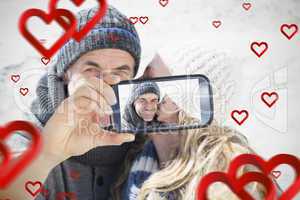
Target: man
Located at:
point(71, 99)
point(141, 108)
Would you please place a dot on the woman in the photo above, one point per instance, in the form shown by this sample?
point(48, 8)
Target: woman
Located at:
point(170, 166)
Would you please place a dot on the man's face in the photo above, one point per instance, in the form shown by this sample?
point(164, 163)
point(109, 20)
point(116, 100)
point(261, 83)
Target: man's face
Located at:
point(112, 65)
point(146, 106)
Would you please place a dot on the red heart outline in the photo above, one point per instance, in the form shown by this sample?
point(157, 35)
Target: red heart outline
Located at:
point(288, 26)
point(78, 35)
point(133, 18)
point(276, 174)
point(24, 91)
point(268, 166)
point(239, 112)
point(236, 185)
point(259, 44)
point(269, 95)
point(45, 60)
point(163, 3)
point(15, 78)
point(10, 172)
point(247, 6)
point(144, 19)
point(6, 156)
point(216, 23)
point(33, 194)
point(48, 18)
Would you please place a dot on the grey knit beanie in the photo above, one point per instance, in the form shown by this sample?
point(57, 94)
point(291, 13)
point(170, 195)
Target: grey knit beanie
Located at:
point(52, 89)
point(115, 31)
point(143, 88)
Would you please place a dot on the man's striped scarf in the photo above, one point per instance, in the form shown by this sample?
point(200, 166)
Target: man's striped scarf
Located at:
point(145, 164)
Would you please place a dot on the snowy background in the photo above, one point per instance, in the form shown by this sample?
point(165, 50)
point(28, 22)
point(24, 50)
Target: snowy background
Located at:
point(270, 131)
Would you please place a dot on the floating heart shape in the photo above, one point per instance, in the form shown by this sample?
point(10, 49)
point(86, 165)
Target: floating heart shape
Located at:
point(247, 6)
point(239, 116)
point(276, 174)
point(15, 78)
point(79, 34)
point(289, 30)
point(259, 48)
point(216, 23)
point(236, 185)
point(24, 91)
point(45, 60)
point(144, 19)
point(163, 3)
point(10, 171)
point(33, 188)
point(47, 18)
point(133, 20)
point(269, 98)
point(268, 166)
point(74, 174)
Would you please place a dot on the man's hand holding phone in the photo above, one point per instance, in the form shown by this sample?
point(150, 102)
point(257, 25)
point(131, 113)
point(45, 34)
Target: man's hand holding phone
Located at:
point(74, 129)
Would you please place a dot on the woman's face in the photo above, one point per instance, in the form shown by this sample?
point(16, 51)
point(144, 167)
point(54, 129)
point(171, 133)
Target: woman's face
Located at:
point(167, 109)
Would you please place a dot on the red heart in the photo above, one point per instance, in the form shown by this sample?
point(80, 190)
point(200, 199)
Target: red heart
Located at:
point(79, 34)
point(268, 166)
point(216, 23)
point(15, 78)
point(247, 6)
point(45, 192)
point(45, 60)
point(74, 174)
point(48, 18)
point(276, 174)
point(113, 38)
point(236, 185)
point(133, 20)
point(32, 189)
point(239, 120)
point(259, 52)
point(24, 91)
point(164, 3)
point(6, 156)
point(269, 98)
point(63, 195)
point(289, 30)
point(10, 171)
point(144, 19)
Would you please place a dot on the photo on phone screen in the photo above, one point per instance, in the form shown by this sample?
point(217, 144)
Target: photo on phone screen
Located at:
point(163, 104)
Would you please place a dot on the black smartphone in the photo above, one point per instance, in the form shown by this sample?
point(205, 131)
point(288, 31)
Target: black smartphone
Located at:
point(162, 104)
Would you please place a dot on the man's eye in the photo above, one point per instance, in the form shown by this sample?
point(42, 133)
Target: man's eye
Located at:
point(90, 69)
point(141, 100)
point(121, 73)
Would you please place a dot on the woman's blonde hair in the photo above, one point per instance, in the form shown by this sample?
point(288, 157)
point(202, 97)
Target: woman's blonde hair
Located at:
point(202, 150)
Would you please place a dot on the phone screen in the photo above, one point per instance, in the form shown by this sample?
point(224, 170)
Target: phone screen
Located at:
point(162, 104)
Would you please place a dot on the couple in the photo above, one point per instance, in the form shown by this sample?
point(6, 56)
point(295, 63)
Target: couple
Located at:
point(112, 165)
point(145, 108)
